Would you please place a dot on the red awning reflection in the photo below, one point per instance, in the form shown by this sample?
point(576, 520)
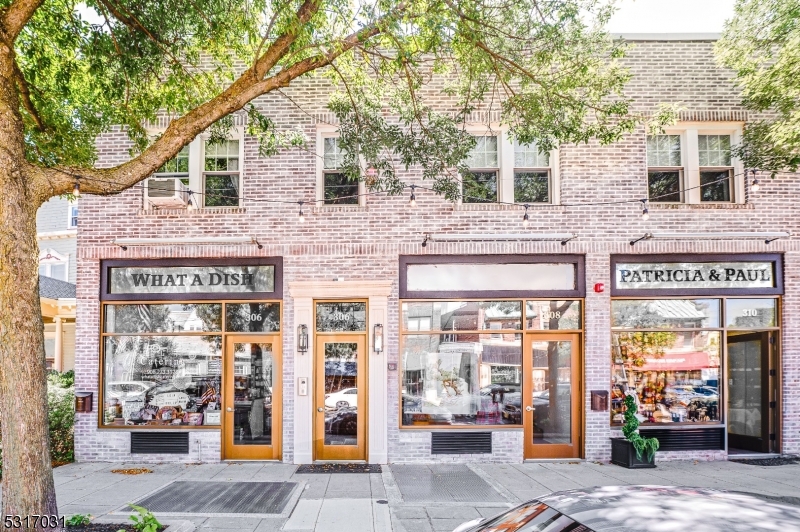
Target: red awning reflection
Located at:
point(678, 362)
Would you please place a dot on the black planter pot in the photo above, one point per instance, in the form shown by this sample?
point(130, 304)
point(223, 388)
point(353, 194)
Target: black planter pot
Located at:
point(623, 454)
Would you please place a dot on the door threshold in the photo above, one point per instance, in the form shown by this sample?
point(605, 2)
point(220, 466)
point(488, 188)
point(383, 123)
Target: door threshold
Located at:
point(339, 462)
point(752, 456)
point(248, 460)
point(551, 460)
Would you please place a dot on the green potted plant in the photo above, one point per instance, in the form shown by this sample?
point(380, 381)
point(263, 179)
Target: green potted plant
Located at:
point(634, 451)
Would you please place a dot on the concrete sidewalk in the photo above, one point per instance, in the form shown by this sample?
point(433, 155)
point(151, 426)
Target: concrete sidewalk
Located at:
point(404, 498)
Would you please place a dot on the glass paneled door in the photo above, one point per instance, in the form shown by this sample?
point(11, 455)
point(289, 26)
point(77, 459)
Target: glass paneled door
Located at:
point(551, 396)
point(252, 398)
point(749, 392)
point(340, 397)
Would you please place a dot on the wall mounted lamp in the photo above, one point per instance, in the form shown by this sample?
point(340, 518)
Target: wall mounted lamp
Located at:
point(302, 339)
point(377, 338)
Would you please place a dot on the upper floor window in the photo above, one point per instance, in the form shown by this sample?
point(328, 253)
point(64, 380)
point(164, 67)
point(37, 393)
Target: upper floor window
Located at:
point(531, 174)
point(692, 163)
point(178, 167)
point(221, 174)
point(72, 221)
point(53, 264)
point(480, 184)
point(664, 168)
point(337, 188)
point(716, 170)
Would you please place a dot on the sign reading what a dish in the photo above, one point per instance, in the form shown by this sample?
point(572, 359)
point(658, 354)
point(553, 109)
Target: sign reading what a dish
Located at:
point(192, 279)
point(640, 276)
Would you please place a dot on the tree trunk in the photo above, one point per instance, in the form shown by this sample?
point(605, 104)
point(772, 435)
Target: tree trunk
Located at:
point(28, 488)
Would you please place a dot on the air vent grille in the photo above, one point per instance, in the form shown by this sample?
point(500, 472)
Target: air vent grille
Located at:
point(461, 443)
point(159, 443)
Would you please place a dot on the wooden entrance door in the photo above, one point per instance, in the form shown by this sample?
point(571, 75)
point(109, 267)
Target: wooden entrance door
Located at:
point(252, 398)
point(340, 398)
point(552, 396)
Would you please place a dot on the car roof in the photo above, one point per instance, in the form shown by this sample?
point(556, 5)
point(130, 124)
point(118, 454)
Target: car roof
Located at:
point(671, 509)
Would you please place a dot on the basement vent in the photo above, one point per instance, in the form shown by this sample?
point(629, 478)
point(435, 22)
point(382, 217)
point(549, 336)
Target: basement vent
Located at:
point(159, 443)
point(461, 443)
point(712, 439)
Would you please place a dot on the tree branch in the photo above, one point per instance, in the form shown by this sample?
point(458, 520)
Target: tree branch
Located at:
point(25, 94)
point(60, 180)
point(14, 17)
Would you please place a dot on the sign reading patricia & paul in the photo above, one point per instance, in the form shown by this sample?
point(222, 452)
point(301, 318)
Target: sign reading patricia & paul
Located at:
point(694, 275)
point(192, 279)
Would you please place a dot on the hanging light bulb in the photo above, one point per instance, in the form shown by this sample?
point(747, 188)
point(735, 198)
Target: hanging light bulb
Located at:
point(755, 187)
point(190, 205)
point(76, 190)
point(645, 212)
point(412, 202)
point(301, 218)
point(525, 219)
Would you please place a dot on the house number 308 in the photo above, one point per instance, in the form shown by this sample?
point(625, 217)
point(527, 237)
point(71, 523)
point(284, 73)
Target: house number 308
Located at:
point(551, 315)
point(749, 312)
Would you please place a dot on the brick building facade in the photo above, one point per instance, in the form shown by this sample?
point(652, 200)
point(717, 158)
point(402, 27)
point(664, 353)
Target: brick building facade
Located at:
point(353, 253)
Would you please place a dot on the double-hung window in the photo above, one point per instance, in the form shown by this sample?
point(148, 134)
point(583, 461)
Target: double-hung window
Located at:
point(72, 221)
point(479, 185)
point(337, 188)
point(221, 174)
point(531, 174)
point(692, 163)
point(716, 170)
point(664, 168)
point(178, 167)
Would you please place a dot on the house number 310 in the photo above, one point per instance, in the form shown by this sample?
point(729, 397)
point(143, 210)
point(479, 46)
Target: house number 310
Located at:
point(750, 312)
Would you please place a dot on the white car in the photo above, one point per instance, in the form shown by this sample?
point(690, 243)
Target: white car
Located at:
point(128, 390)
point(342, 399)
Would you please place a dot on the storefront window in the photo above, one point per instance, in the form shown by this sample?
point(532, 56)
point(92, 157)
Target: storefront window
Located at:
point(553, 315)
point(665, 313)
point(162, 380)
point(462, 379)
point(180, 317)
point(252, 317)
point(750, 313)
point(462, 315)
point(674, 374)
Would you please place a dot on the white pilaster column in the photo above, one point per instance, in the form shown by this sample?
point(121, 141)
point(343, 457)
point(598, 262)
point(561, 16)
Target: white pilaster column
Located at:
point(58, 364)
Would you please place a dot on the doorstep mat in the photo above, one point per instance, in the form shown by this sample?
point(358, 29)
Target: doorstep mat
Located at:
point(184, 497)
point(338, 468)
point(777, 461)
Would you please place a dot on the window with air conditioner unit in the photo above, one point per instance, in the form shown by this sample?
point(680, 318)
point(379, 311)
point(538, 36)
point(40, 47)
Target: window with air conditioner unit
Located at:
point(169, 187)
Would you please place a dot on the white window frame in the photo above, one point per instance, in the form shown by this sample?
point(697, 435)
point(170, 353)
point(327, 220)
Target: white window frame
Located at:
point(48, 258)
point(489, 132)
point(690, 158)
point(325, 132)
point(72, 204)
point(554, 192)
point(505, 155)
point(197, 166)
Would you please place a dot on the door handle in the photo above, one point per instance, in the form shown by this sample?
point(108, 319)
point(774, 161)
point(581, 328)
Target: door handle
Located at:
point(529, 409)
point(229, 409)
point(320, 409)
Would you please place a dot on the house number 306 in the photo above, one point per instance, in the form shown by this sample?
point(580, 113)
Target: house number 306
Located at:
point(254, 317)
point(750, 312)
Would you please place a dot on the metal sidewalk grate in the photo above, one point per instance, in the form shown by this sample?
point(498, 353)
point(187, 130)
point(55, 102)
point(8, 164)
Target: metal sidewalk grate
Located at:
point(442, 483)
point(196, 497)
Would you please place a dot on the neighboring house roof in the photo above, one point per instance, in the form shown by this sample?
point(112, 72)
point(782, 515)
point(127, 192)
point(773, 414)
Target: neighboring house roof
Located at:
point(677, 309)
point(54, 289)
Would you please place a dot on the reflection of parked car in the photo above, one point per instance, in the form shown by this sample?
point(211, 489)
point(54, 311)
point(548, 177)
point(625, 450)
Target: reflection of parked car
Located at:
point(128, 390)
point(512, 409)
point(500, 388)
point(342, 399)
point(343, 422)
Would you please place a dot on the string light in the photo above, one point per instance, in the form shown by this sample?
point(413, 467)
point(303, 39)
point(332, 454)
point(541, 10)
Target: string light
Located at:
point(76, 190)
point(645, 211)
point(755, 187)
point(301, 218)
point(525, 218)
point(413, 200)
point(190, 205)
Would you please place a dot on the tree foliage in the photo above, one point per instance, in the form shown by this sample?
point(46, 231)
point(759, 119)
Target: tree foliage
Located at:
point(762, 46)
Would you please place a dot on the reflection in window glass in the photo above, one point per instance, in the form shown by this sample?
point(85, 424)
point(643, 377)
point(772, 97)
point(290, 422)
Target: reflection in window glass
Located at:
point(341, 317)
point(252, 317)
point(532, 517)
point(665, 313)
point(553, 315)
point(462, 315)
point(133, 319)
point(462, 379)
point(715, 186)
point(479, 187)
point(161, 380)
point(750, 313)
point(675, 375)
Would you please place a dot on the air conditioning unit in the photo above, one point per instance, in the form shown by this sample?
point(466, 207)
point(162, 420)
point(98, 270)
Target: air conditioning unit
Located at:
point(167, 192)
